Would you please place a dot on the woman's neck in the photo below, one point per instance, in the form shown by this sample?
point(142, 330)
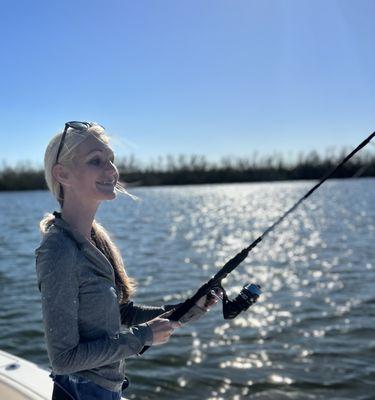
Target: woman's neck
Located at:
point(80, 219)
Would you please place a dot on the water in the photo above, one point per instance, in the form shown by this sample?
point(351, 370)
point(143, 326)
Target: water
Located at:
point(312, 334)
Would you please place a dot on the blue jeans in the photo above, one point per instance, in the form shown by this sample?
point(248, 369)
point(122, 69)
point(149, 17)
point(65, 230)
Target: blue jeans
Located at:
point(74, 387)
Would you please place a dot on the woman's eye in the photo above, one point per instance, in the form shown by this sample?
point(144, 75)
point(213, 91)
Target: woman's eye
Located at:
point(95, 161)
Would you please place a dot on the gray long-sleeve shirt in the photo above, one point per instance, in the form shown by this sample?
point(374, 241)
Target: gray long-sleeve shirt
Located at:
point(84, 325)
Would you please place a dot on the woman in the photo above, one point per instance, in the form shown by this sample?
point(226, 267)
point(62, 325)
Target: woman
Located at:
point(85, 290)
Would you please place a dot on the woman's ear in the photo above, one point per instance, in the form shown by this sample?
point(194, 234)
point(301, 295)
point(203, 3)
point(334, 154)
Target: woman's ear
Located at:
point(61, 174)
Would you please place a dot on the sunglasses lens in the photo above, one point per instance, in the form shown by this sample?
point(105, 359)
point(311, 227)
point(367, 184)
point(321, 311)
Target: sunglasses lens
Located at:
point(78, 125)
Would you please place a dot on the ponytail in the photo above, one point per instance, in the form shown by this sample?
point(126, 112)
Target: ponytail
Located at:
point(124, 284)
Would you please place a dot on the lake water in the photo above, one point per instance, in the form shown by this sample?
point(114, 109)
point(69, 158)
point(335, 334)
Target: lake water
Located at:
point(310, 336)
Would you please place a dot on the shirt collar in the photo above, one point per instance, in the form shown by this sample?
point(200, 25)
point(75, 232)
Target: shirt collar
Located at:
point(89, 249)
point(77, 236)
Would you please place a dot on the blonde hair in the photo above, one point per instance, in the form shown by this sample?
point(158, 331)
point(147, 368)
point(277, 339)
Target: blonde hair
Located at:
point(73, 138)
point(102, 239)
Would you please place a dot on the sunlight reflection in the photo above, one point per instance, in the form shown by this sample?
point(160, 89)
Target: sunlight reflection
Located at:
point(280, 379)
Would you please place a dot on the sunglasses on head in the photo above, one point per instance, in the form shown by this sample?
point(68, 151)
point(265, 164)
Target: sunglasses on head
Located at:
point(76, 125)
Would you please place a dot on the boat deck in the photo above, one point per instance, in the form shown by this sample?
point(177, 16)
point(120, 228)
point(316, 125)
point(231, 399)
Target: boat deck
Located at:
point(23, 380)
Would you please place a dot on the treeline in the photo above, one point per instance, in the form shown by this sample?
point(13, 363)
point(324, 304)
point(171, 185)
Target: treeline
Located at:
point(196, 169)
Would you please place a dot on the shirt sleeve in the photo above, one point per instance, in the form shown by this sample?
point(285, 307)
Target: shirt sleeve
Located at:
point(58, 282)
point(132, 314)
point(137, 314)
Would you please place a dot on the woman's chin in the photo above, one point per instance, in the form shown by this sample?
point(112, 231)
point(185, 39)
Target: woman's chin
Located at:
point(110, 196)
point(106, 194)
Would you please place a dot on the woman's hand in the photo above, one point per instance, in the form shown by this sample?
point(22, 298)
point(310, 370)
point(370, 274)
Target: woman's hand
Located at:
point(202, 306)
point(162, 328)
point(209, 300)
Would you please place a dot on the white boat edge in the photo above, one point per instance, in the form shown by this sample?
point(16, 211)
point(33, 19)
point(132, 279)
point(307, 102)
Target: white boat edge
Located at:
point(21, 379)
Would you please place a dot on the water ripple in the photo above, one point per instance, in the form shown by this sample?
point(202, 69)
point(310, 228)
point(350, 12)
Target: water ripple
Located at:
point(310, 336)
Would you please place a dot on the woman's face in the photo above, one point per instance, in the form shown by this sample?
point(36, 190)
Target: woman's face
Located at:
point(93, 173)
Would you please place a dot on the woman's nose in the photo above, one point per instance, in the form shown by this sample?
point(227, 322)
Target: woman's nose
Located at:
point(112, 169)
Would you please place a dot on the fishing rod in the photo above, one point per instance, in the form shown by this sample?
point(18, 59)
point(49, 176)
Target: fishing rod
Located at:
point(250, 292)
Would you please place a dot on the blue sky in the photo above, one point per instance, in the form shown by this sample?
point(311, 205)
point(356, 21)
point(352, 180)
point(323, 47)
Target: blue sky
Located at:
point(208, 77)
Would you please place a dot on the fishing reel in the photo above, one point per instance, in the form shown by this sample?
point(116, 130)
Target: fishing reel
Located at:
point(246, 298)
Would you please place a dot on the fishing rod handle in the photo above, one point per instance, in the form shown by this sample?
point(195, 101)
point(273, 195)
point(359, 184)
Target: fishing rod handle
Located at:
point(208, 286)
point(182, 309)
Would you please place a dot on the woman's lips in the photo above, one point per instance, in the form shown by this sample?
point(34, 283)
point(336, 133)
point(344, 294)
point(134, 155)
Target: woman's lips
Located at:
point(107, 185)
